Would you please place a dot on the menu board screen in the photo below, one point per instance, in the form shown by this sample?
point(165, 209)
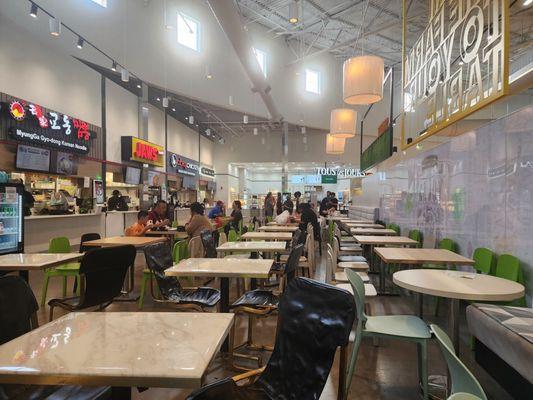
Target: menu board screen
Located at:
point(32, 158)
point(133, 175)
point(67, 163)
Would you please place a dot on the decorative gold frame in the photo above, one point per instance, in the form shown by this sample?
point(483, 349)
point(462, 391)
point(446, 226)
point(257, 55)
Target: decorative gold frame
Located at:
point(459, 115)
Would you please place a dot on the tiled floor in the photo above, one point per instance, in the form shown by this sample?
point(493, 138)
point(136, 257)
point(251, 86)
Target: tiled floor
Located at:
point(385, 371)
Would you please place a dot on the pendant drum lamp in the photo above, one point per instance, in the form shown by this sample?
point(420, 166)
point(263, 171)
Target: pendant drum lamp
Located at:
point(363, 80)
point(342, 123)
point(334, 145)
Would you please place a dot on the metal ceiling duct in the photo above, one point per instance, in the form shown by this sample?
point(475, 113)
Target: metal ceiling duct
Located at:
point(229, 19)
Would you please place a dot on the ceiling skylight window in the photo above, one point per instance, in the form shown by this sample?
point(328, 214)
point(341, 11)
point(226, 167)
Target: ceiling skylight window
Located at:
point(102, 3)
point(312, 81)
point(262, 60)
point(188, 32)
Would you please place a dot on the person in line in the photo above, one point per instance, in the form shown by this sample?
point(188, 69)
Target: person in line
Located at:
point(116, 202)
point(140, 227)
point(297, 196)
point(325, 205)
point(158, 215)
point(269, 205)
point(235, 217)
point(217, 210)
point(288, 205)
point(279, 204)
point(28, 201)
point(198, 221)
point(334, 201)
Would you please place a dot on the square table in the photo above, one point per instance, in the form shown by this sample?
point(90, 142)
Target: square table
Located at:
point(118, 349)
point(278, 228)
point(416, 257)
point(171, 233)
point(371, 241)
point(373, 231)
point(280, 236)
point(253, 247)
point(363, 225)
point(35, 262)
point(137, 241)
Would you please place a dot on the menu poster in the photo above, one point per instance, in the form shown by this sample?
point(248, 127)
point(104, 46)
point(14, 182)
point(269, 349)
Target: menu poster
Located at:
point(98, 191)
point(33, 158)
point(67, 163)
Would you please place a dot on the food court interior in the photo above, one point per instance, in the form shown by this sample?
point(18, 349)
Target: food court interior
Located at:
point(266, 199)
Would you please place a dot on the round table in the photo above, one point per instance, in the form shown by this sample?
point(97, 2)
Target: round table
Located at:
point(457, 286)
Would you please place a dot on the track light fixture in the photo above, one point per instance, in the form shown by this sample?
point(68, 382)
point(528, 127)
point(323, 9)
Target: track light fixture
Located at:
point(55, 26)
point(33, 10)
point(80, 43)
point(165, 102)
point(191, 119)
point(114, 66)
point(245, 119)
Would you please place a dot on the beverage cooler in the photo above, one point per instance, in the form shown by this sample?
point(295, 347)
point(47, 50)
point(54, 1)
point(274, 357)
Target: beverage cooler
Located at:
point(11, 218)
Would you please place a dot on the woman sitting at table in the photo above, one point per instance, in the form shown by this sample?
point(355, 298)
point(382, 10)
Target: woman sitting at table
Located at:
point(140, 227)
point(235, 218)
point(198, 221)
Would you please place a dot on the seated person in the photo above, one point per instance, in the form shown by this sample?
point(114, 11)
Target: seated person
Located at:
point(140, 227)
point(198, 221)
point(158, 215)
point(308, 216)
point(217, 210)
point(235, 218)
point(288, 205)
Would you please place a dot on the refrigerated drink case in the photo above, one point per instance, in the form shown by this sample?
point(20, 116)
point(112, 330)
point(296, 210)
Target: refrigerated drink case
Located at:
point(11, 218)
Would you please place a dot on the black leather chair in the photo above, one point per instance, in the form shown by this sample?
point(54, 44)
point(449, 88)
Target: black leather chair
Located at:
point(18, 308)
point(208, 240)
point(102, 273)
point(158, 259)
point(87, 237)
point(260, 303)
point(315, 319)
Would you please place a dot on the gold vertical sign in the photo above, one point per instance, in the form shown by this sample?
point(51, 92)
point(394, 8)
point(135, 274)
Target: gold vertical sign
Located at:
point(459, 64)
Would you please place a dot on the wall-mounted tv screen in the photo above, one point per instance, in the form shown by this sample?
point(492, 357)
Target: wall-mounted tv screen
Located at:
point(66, 163)
point(32, 158)
point(132, 176)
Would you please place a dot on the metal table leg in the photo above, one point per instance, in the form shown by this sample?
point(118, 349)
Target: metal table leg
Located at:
point(224, 304)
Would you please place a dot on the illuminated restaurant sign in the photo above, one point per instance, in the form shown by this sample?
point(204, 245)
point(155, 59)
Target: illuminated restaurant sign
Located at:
point(135, 149)
point(29, 122)
point(340, 172)
point(182, 165)
point(459, 64)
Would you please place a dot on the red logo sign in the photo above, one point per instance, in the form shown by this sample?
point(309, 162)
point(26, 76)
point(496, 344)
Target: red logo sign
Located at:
point(17, 111)
point(146, 152)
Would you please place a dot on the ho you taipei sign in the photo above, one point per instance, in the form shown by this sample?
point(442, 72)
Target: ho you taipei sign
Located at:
point(458, 65)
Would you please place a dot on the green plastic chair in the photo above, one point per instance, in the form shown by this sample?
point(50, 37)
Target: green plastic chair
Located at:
point(174, 224)
point(401, 327)
point(464, 383)
point(508, 267)
point(60, 245)
point(415, 234)
point(180, 251)
point(232, 236)
point(251, 227)
point(484, 261)
point(394, 227)
point(240, 228)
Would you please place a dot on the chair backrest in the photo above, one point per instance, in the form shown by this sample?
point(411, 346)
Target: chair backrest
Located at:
point(158, 259)
point(484, 260)
point(508, 267)
point(196, 248)
point(415, 234)
point(86, 237)
point(447, 244)
point(104, 271)
point(314, 319)
point(59, 245)
point(358, 287)
point(17, 308)
point(208, 241)
point(232, 236)
point(222, 238)
point(180, 251)
point(463, 381)
point(293, 261)
point(329, 265)
point(395, 228)
point(296, 237)
point(310, 249)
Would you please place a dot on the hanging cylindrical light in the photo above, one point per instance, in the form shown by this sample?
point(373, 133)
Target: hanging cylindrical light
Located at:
point(334, 145)
point(165, 102)
point(55, 26)
point(342, 123)
point(124, 75)
point(256, 132)
point(363, 80)
point(191, 119)
point(293, 12)
point(245, 119)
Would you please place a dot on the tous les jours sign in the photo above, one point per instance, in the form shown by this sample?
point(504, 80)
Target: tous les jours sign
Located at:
point(340, 172)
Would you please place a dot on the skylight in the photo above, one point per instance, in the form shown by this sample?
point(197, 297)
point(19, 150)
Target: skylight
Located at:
point(312, 81)
point(262, 60)
point(188, 32)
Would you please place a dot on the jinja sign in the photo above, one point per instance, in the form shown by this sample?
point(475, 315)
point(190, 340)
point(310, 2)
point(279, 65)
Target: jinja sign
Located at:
point(458, 64)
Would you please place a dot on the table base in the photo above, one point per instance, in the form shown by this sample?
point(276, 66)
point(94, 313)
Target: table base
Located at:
point(120, 393)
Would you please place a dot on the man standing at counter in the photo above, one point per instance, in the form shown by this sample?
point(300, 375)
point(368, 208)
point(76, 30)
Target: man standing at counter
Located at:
point(158, 215)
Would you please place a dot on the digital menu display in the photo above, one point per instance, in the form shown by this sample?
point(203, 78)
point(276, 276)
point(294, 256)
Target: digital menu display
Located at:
point(133, 176)
point(32, 158)
point(67, 163)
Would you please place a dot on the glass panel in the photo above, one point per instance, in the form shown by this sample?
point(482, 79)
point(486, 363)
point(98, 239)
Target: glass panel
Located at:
point(188, 32)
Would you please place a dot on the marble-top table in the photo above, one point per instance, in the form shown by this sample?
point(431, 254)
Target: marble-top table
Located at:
point(34, 262)
point(363, 225)
point(137, 241)
point(278, 228)
point(253, 246)
point(286, 236)
point(118, 349)
point(456, 286)
point(385, 240)
point(373, 231)
point(171, 233)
